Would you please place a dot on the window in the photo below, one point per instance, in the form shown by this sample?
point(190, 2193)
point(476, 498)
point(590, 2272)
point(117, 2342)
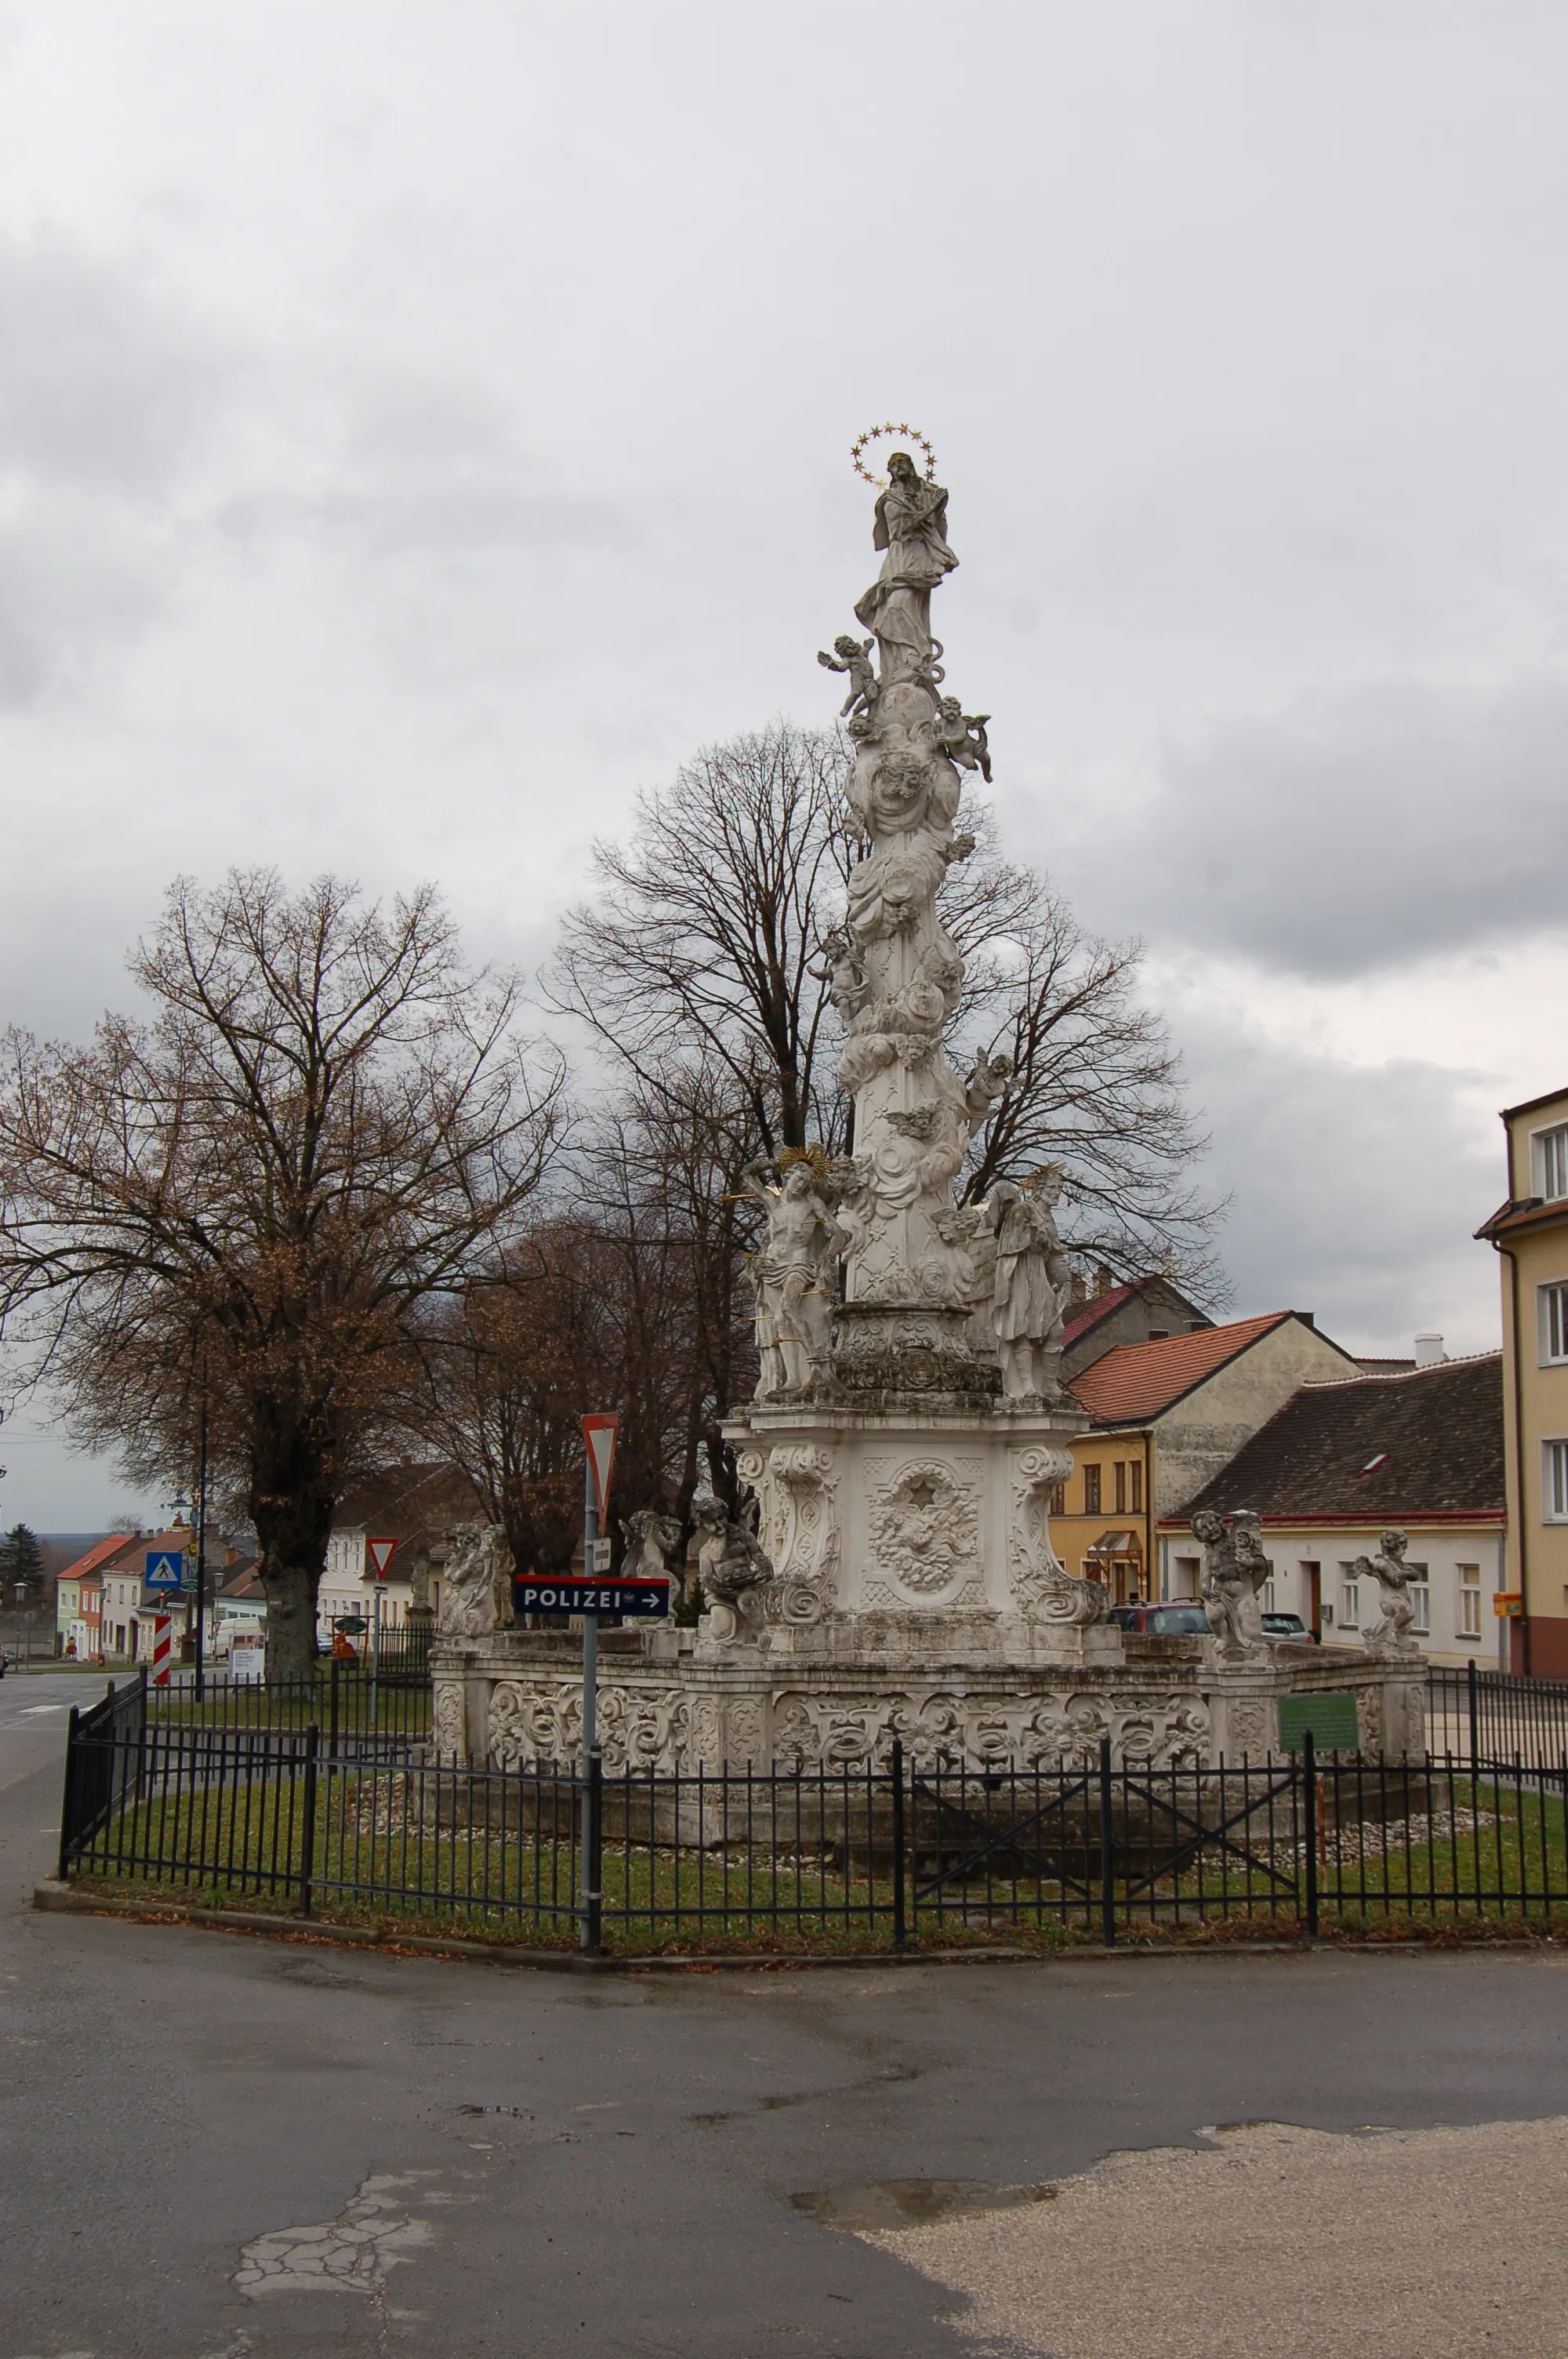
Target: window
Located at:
point(1554, 1482)
point(1269, 1605)
point(1349, 1598)
point(1138, 1486)
point(1056, 1499)
point(1553, 1301)
point(1551, 1161)
point(1469, 1601)
point(1118, 1485)
point(1420, 1595)
point(1091, 1490)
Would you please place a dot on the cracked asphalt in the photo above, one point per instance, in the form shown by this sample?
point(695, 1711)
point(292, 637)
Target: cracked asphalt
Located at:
point(217, 2146)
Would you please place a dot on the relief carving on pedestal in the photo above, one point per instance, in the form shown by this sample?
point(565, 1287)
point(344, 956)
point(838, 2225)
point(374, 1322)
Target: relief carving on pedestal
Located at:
point(798, 1485)
point(924, 1530)
point(449, 1732)
point(1043, 1588)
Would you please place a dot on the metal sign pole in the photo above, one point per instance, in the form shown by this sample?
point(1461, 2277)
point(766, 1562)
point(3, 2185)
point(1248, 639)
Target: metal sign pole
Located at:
point(201, 1545)
point(589, 1780)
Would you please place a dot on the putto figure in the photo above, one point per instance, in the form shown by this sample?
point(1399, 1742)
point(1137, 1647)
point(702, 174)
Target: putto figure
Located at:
point(1235, 1569)
point(854, 657)
point(962, 737)
point(1391, 1632)
point(476, 1593)
point(651, 1539)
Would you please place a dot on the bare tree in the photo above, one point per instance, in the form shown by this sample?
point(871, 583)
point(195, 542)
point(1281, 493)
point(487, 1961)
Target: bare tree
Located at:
point(708, 922)
point(327, 1122)
point(704, 944)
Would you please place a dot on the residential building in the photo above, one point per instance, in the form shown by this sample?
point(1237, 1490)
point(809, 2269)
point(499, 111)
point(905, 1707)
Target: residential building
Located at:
point(1167, 1416)
point(67, 1604)
point(1344, 1461)
point(1144, 1311)
point(416, 1506)
point(129, 1610)
point(1530, 1233)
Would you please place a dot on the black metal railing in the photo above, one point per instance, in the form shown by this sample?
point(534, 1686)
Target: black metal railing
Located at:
point(1480, 1716)
point(862, 1855)
point(382, 1709)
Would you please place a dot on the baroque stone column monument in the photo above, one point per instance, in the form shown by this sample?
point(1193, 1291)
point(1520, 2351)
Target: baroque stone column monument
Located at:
point(909, 1426)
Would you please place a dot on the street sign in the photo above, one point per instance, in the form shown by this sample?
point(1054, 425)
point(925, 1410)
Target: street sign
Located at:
point(603, 1555)
point(165, 1568)
point(1331, 1718)
point(381, 1553)
point(351, 1622)
point(599, 1440)
point(647, 1601)
point(1508, 1605)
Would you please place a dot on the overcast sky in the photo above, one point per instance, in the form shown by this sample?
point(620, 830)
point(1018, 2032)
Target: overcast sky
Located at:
point(421, 426)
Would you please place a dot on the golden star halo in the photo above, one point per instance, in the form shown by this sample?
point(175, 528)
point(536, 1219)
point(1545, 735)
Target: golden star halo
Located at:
point(875, 434)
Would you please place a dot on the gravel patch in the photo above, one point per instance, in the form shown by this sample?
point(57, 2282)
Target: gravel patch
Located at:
point(1383, 2244)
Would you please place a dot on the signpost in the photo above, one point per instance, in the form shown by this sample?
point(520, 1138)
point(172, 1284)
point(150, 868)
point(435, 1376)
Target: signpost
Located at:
point(381, 1553)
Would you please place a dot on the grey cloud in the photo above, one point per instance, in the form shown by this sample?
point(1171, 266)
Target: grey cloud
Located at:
point(1360, 831)
point(105, 398)
point(104, 385)
point(1354, 1191)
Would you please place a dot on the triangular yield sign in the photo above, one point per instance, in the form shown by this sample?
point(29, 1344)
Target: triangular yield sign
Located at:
point(599, 1439)
point(381, 1555)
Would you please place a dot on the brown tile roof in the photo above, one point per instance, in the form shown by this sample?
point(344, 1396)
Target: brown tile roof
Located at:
point(1379, 1447)
point(1090, 1313)
point(1139, 1380)
point(1524, 1213)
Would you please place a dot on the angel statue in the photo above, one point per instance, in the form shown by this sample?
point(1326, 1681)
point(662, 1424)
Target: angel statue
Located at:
point(962, 737)
point(1235, 1569)
point(843, 971)
point(1391, 1633)
point(991, 1078)
point(853, 655)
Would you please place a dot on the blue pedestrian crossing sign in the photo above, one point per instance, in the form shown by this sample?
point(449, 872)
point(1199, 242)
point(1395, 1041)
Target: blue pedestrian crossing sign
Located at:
point(166, 1568)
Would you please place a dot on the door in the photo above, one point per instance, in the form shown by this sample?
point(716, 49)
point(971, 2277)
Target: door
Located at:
point(1314, 1598)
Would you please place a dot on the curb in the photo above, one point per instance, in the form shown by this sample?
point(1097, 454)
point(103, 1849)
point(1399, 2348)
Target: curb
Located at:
point(65, 1899)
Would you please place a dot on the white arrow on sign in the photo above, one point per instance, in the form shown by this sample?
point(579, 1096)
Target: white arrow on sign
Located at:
point(381, 1553)
point(599, 1439)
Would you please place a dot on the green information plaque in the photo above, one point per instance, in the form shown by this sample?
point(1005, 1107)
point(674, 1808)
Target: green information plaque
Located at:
point(1331, 1718)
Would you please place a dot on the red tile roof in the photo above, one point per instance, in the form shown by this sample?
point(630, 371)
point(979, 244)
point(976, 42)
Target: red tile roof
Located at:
point(98, 1554)
point(1139, 1380)
point(1090, 1313)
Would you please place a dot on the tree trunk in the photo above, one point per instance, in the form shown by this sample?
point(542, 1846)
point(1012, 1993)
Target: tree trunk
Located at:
point(290, 1619)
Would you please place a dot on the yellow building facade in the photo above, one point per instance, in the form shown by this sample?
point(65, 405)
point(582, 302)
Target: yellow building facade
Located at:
point(1530, 1234)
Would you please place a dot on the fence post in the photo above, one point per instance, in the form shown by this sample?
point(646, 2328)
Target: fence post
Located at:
point(308, 1842)
point(1473, 1684)
point(1309, 1771)
point(900, 1926)
point(1106, 1849)
point(592, 1788)
point(332, 1707)
point(66, 1809)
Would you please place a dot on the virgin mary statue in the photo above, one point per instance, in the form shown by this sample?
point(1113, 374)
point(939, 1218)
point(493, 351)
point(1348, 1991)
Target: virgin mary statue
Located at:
point(912, 526)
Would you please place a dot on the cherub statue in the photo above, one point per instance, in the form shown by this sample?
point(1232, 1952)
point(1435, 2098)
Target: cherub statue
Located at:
point(651, 1539)
point(1391, 1633)
point(854, 657)
point(730, 1561)
point(476, 1594)
point(990, 1078)
point(1235, 1569)
point(843, 972)
point(962, 737)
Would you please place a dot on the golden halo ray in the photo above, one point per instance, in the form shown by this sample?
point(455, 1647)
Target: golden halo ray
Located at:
point(874, 434)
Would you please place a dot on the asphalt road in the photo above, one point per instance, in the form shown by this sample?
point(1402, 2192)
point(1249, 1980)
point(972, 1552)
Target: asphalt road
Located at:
point(199, 2128)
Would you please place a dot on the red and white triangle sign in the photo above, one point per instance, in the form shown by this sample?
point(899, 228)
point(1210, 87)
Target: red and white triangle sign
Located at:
point(381, 1553)
point(599, 1440)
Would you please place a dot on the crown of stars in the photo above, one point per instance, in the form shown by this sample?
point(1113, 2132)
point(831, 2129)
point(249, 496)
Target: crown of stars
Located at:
point(874, 434)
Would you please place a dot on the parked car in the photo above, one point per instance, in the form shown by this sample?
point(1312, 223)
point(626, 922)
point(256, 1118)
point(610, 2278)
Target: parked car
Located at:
point(1187, 1620)
point(1287, 1625)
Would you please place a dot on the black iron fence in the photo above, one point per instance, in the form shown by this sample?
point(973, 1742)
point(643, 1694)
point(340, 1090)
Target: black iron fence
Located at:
point(1480, 1716)
point(868, 1856)
point(382, 1707)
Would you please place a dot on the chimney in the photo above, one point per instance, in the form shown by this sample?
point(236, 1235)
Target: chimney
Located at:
point(1429, 1351)
point(1103, 1280)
